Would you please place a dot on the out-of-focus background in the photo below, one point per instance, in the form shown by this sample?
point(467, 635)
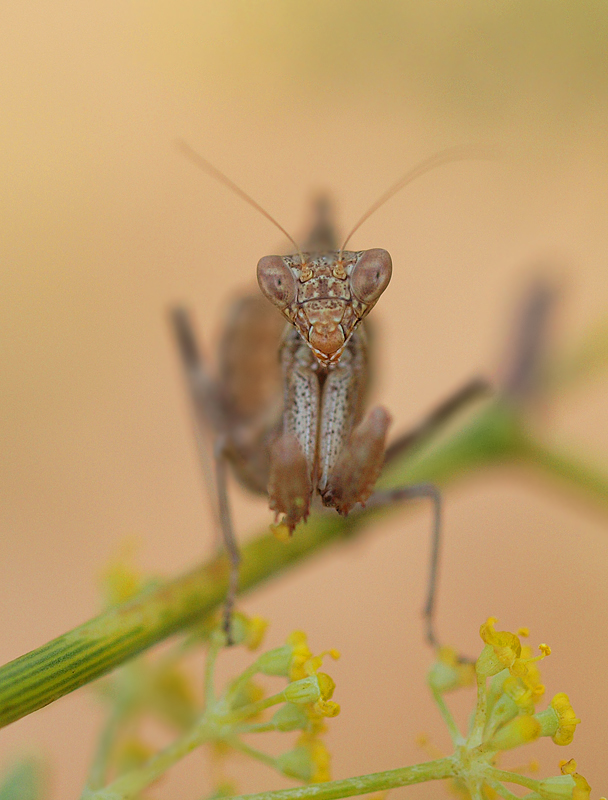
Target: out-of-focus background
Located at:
point(103, 225)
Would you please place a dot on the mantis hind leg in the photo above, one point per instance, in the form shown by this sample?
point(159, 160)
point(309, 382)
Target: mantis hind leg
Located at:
point(413, 492)
point(472, 390)
point(229, 539)
point(430, 425)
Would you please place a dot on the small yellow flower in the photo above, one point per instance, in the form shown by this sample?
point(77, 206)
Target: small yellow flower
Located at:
point(316, 690)
point(304, 690)
point(121, 581)
point(290, 717)
point(132, 753)
point(256, 630)
point(515, 688)
point(567, 786)
point(559, 720)
point(300, 653)
point(308, 761)
point(504, 718)
point(319, 756)
point(325, 706)
point(449, 672)
point(502, 650)
point(303, 663)
point(532, 679)
point(518, 731)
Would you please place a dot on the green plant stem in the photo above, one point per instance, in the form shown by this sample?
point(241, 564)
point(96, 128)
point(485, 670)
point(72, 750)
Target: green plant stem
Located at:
point(475, 736)
point(253, 752)
point(255, 727)
point(514, 777)
point(568, 469)
point(494, 434)
point(105, 745)
point(502, 791)
point(208, 687)
point(133, 782)
point(101, 644)
point(445, 712)
point(379, 781)
point(243, 712)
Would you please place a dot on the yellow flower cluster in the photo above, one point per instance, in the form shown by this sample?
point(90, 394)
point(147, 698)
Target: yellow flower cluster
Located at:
point(304, 703)
point(505, 716)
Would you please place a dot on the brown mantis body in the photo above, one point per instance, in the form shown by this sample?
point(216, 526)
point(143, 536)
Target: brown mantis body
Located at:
point(286, 406)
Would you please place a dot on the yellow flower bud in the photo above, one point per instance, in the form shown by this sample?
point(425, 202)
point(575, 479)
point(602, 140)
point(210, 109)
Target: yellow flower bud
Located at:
point(566, 717)
point(567, 786)
point(319, 755)
point(501, 651)
point(306, 690)
point(558, 787)
point(309, 760)
point(559, 720)
point(518, 731)
point(326, 685)
point(256, 629)
point(297, 763)
point(300, 653)
point(290, 717)
point(448, 673)
point(326, 708)
point(276, 661)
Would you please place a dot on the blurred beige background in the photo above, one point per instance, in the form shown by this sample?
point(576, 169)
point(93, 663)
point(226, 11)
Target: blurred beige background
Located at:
point(103, 225)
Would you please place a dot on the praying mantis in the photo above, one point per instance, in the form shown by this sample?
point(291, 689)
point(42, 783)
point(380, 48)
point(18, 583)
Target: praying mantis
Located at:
point(285, 408)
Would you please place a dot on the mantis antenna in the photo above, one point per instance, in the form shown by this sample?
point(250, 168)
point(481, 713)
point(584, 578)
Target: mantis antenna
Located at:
point(458, 153)
point(202, 163)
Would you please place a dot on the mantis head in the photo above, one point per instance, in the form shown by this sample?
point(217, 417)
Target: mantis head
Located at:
point(325, 295)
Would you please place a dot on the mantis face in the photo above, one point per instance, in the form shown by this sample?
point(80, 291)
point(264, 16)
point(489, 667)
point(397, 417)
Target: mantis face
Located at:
point(325, 295)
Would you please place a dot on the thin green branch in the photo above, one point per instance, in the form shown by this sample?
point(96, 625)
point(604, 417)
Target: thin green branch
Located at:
point(105, 745)
point(515, 777)
point(133, 782)
point(456, 736)
point(568, 470)
point(379, 781)
point(253, 752)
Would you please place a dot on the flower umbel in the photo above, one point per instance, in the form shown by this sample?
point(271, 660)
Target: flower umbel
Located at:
point(226, 717)
point(506, 718)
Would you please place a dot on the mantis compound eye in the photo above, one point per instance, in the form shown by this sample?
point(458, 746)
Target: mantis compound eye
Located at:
point(371, 275)
point(276, 281)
